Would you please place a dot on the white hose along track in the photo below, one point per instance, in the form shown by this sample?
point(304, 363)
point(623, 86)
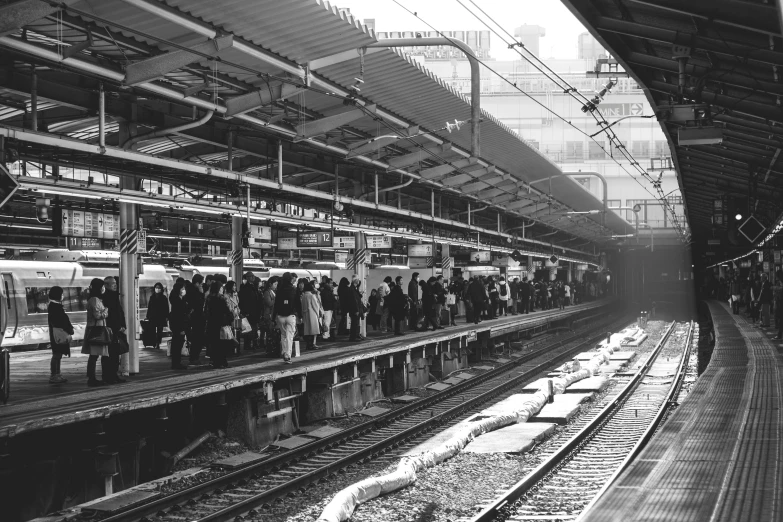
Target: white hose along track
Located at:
point(343, 504)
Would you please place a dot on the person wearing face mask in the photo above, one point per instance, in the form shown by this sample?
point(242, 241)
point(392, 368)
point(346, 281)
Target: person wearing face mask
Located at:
point(158, 312)
point(178, 322)
point(96, 335)
point(115, 321)
point(414, 295)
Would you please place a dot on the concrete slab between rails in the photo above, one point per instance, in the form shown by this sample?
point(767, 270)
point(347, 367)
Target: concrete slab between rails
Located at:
point(590, 385)
point(519, 438)
point(616, 356)
point(68, 405)
point(564, 407)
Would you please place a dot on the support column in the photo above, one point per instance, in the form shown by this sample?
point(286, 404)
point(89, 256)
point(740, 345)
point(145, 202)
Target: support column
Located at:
point(570, 271)
point(361, 271)
point(236, 244)
point(129, 284)
point(280, 162)
point(444, 248)
point(34, 100)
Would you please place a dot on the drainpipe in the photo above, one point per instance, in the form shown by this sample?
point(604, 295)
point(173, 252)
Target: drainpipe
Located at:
point(475, 76)
point(469, 211)
point(576, 174)
point(33, 99)
point(164, 132)
point(387, 189)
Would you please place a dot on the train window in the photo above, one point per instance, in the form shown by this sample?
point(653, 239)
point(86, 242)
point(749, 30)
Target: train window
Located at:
point(145, 293)
point(74, 299)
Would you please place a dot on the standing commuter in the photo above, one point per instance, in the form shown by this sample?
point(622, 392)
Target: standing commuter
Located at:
point(734, 293)
point(382, 307)
point(493, 297)
point(232, 301)
point(312, 313)
point(347, 306)
point(503, 296)
point(428, 305)
point(514, 296)
point(397, 302)
point(60, 332)
point(97, 336)
point(440, 299)
point(561, 295)
point(116, 322)
point(158, 312)
point(779, 304)
point(250, 308)
point(328, 302)
point(361, 306)
point(194, 298)
point(477, 298)
point(567, 289)
point(178, 322)
point(285, 312)
point(268, 323)
point(218, 326)
point(524, 297)
point(414, 294)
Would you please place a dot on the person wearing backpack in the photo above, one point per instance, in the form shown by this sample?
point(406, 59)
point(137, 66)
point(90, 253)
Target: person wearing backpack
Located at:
point(285, 312)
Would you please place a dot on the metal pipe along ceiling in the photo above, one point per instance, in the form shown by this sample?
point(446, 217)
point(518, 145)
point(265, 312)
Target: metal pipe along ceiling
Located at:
point(475, 77)
point(171, 130)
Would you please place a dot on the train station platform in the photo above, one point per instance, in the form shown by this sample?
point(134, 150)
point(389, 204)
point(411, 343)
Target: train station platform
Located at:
point(36, 405)
point(719, 457)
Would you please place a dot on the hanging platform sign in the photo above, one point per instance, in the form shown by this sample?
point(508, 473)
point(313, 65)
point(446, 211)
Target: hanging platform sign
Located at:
point(314, 239)
point(482, 256)
point(261, 233)
point(420, 250)
point(286, 243)
point(344, 242)
point(379, 242)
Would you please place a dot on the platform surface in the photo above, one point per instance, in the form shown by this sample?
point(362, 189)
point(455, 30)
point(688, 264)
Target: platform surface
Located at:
point(719, 456)
point(35, 404)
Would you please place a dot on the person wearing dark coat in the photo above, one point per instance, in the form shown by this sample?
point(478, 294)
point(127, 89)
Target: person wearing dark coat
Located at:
point(524, 297)
point(349, 307)
point(428, 305)
point(477, 298)
point(194, 298)
point(115, 321)
point(158, 312)
point(57, 318)
point(396, 302)
point(329, 303)
point(178, 322)
point(415, 296)
point(250, 308)
point(216, 316)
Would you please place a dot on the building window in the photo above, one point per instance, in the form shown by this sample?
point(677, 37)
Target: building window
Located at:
point(595, 151)
point(662, 149)
point(574, 150)
point(640, 149)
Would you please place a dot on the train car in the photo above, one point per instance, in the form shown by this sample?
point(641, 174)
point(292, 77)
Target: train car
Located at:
point(261, 272)
point(26, 287)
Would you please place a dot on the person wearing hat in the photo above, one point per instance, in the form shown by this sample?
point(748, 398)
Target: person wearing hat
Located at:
point(250, 308)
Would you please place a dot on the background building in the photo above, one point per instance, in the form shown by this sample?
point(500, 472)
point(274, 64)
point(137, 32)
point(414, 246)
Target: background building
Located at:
point(529, 115)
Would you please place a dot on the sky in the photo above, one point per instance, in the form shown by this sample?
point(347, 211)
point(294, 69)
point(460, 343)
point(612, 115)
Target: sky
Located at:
point(562, 29)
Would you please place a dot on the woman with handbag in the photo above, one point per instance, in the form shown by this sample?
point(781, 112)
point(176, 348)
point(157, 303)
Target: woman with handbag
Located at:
point(60, 332)
point(97, 336)
point(218, 330)
point(116, 322)
point(232, 300)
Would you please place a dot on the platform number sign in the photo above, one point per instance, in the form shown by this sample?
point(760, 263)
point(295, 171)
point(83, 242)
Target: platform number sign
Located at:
point(314, 239)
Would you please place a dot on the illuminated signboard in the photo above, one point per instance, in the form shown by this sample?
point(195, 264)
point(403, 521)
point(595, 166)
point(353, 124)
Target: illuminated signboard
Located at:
point(314, 239)
point(420, 250)
point(78, 223)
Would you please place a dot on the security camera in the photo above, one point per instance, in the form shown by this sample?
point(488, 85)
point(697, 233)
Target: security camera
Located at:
point(42, 209)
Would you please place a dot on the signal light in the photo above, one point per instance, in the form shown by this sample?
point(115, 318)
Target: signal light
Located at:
point(738, 217)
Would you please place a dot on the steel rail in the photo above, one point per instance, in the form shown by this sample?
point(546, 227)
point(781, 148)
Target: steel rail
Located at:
point(492, 511)
point(302, 453)
point(365, 454)
point(651, 429)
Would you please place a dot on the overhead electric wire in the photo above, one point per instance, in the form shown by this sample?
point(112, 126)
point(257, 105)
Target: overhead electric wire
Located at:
point(571, 91)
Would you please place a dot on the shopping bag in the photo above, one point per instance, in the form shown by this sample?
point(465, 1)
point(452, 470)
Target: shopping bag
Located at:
point(246, 328)
point(226, 333)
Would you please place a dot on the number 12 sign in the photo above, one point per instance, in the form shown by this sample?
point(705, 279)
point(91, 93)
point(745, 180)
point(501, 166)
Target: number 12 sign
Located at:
point(314, 239)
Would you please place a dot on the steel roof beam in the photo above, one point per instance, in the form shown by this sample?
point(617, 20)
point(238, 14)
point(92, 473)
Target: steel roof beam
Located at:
point(373, 144)
point(741, 105)
point(480, 185)
point(520, 203)
point(406, 160)
point(669, 37)
point(16, 15)
point(323, 125)
point(158, 66)
point(260, 98)
point(442, 170)
point(459, 179)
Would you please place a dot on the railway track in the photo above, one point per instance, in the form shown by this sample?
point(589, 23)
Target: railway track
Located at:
point(249, 491)
point(574, 475)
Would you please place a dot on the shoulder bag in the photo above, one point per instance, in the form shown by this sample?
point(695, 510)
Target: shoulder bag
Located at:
point(98, 335)
point(60, 336)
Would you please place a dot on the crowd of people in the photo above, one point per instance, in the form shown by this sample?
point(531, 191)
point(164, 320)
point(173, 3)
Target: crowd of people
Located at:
point(212, 316)
point(756, 295)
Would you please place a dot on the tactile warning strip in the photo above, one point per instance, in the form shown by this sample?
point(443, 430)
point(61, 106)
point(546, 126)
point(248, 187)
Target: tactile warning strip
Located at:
point(719, 457)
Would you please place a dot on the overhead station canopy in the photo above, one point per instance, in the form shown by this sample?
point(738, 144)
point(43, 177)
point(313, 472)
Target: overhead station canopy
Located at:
point(710, 70)
point(276, 71)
